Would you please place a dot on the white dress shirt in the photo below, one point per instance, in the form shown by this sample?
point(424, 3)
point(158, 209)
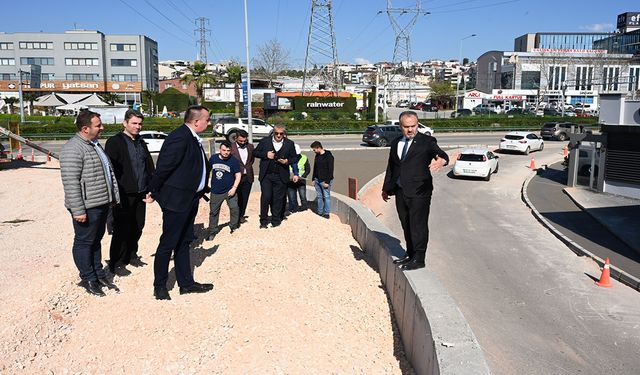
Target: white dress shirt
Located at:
point(401, 146)
point(203, 179)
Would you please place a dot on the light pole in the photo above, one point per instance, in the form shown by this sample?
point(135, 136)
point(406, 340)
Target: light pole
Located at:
point(248, 93)
point(461, 74)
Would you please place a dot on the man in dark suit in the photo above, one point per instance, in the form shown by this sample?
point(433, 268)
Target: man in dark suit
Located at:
point(180, 180)
point(243, 151)
point(412, 158)
point(276, 154)
point(133, 167)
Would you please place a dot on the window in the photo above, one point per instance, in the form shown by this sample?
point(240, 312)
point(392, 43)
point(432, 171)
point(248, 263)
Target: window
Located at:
point(7, 77)
point(610, 75)
point(7, 62)
point(124, 62)
point(36, 60)
point(81, 62)
point(530, 80)
point(124, 77)
point(82, 77)
point(80, 45)
point(8, 45)
point(634, 77)
point(557, 76)
point(123, 47)
point(43, 76)
point(584, 77)
point(36, 45)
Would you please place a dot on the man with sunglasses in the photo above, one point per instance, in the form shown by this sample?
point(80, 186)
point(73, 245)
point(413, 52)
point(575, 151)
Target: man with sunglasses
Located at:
point(276, 154)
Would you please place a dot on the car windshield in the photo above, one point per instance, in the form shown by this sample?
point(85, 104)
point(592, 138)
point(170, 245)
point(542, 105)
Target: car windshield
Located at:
point(371, 128)
point(471, 157)
point(513, 137)
point(548, 126)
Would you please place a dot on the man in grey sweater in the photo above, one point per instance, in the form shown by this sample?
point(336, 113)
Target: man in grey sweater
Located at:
point(90, 188)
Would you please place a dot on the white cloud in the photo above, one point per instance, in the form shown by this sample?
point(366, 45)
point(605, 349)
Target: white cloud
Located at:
point(598, 27)
point(361, 61)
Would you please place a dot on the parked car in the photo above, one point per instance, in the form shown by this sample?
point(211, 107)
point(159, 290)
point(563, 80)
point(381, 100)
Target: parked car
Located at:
point(584, 160)
point(476, 162)
point(153, 139)
point(423, 106)
point(381, 135)
point(557, 130)
point(402, 104)
point(558, 112)
point(229, 126)
point(524, 142)
point(462, 112)
point(485, 109)
point(421, 128)
point(517, 111)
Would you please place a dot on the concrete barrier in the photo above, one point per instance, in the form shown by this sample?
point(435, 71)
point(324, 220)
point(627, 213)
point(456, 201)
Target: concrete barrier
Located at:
point(436, 337)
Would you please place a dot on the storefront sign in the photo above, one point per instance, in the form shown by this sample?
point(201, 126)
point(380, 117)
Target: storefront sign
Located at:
point(76, 86)
point(568, 50)
point(507, 97)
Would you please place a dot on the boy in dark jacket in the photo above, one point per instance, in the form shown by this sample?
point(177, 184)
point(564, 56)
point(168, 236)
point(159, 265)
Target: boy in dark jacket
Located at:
point(322, 178)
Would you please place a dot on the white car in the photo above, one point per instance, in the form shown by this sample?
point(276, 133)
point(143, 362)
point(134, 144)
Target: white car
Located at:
point(476, 162)
point(153, 139)
point(524, 142)
point(229, 127)
point(421, 128)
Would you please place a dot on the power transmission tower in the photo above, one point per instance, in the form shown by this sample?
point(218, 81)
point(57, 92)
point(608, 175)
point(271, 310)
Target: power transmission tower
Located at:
point(321, 58)
point(402, 49)
point(201, 23)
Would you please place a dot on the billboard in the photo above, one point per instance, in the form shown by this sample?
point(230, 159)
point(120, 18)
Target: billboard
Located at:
point(629, 19)
point(328, 103)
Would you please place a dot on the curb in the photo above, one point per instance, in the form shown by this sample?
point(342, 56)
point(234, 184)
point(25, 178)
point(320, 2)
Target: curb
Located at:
point(616, 273)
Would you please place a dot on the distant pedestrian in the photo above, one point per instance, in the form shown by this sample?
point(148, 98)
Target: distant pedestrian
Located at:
point(276, 154)
point(322, 178)
point(299, 188)
point(133, 167)
point(243, 151)
point(225, 179)
point(412, 158)
point(90, 187)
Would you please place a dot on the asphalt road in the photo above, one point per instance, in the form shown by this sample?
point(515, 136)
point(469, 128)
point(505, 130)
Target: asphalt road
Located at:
point(530, 301)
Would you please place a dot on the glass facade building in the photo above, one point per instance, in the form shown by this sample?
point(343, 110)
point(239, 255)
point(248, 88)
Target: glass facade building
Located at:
point(558, 41)
point(620, 43)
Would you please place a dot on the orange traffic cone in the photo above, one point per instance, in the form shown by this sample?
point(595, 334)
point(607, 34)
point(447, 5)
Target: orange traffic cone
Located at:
point(565, 151)
point(33, 155)
point(19, 155)
point(605, 278)
point(48, 157)
point(532, 165)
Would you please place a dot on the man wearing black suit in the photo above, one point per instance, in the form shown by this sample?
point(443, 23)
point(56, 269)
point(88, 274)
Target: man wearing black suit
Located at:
point(276, 153)
point(243, 151)
point(180, 180)
point(412, 158)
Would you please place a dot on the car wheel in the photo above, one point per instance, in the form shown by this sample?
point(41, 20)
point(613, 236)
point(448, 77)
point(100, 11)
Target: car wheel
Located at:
point(562, 137)
point(231, 137)
point(488, 177)
point(541, 146)
point(527, 151)
point(497, 167)
point(382, 142)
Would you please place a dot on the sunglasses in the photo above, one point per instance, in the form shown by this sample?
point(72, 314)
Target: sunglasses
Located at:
point(278, 133)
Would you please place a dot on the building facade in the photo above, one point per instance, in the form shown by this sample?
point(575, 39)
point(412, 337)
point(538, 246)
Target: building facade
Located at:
point(557, 41)
point(80, 61)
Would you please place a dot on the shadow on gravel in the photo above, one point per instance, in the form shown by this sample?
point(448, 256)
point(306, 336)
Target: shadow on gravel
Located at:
point(197, 252)
point(16, 164)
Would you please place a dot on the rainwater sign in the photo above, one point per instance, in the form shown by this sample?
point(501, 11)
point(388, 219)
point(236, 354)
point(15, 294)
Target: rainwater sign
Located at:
point(245, 95)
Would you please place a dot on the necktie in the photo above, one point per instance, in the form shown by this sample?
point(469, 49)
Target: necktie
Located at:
point(404, 149)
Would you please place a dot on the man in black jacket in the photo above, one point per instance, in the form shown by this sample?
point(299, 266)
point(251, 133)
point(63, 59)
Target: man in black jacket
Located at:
point(180, 180)
point(412, 158)
point(133, 167)
point(276, 153)
point(322, 178)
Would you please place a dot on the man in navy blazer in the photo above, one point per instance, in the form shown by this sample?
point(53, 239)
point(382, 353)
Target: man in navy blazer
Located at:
point(412, 158)
point(276, 154)
point(180, 180)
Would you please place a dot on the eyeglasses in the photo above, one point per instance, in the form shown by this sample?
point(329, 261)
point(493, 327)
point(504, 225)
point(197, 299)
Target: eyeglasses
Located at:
point(278, 133)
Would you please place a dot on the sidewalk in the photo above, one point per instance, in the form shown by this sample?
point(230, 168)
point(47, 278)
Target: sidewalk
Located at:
point(620, 215)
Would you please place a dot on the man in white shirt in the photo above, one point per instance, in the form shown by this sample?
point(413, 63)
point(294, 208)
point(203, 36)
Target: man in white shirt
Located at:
point(243, 151)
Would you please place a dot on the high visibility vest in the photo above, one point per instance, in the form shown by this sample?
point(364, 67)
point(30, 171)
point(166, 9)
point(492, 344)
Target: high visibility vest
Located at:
point(301, 162)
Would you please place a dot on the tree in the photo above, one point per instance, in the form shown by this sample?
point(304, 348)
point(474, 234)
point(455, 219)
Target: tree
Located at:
point(234, 75)
point(30, 97)
point(111, 98)
point(10, 101)
point(200, 75)
point(272, 60)
point(148, 98)
point(441, 91)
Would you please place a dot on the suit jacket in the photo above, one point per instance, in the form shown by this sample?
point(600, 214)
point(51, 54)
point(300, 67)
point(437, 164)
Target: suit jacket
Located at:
point(178, 171)
point(287, 151)
point(248, 166)
point(413, 171)
point(118, 151)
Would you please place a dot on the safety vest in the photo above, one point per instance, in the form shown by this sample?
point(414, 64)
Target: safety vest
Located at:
point(301, 162)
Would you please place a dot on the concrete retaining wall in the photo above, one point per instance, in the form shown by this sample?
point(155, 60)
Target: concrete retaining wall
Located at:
point(435, 334)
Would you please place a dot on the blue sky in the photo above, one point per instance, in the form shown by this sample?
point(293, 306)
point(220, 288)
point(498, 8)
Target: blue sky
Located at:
point(361, 33)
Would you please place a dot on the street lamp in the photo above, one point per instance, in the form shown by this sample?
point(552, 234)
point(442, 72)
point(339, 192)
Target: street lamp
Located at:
point(461, 74)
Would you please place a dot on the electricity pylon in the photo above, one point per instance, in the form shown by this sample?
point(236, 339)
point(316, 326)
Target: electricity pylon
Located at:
point(321, 58)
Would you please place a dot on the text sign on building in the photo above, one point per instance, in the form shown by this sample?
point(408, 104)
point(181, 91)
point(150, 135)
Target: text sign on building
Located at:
point(36, 75)
point(76, 86)
point(629, 19)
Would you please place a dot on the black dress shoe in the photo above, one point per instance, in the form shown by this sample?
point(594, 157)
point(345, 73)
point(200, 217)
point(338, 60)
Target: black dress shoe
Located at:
point(137, 262)
point(196, 288)
point(108, 283)
point(405, 259)
point(161, 294)
point(413, 265)
point(92, 287)
point(273, 225)
point(243, 220)
point(264, 226)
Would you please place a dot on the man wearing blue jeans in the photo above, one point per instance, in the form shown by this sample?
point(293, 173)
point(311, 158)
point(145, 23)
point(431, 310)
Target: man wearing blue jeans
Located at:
point(322, 178)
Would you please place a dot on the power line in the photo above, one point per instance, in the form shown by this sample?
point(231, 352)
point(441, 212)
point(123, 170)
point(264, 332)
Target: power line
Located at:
point(167, 18)
point(190, 8)
point(477, 7)
point(179, 10)
point(153, 23)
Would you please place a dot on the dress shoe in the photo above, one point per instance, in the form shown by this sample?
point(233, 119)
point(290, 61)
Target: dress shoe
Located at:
point(273, 225)
point(264, 226)
point(161, 294)
point(137, 262)
point(413, 265)
point(326, 216)
point(92, 287)
point(108, 283)
point(196, 288)
point(243, 220)
point(405, 259)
